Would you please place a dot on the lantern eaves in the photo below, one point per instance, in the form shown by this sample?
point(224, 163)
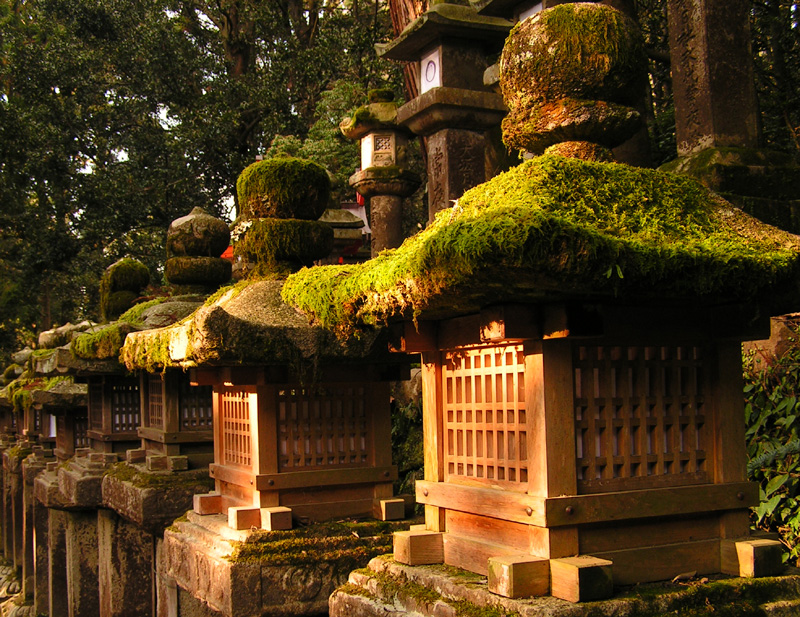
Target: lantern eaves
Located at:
point(443, 21)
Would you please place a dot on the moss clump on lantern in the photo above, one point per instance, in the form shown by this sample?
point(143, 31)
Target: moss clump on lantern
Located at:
point(268, 242)
point(553, 229)
point(204, 271)
point(120, 286)
point(581, 51)
point(101, 344)
point(283, 187)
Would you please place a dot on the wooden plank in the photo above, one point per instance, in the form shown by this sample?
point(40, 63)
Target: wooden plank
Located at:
point(459, 332)
point(171, 397)
point(231, 475)
point(264, 432)
point(555, 428)
point(495, 503)
point(472, 555)
point(622, 505)
point(492, 530)
point(638, 534)
point(432, 431)
point(509, 323)
point(409, 337)
point(158, 436)
point(326, 510)
point(324, 477)
point(755, 557)
point(377, 400)
point(729, 456)
point(519, 576)
point(658, 563)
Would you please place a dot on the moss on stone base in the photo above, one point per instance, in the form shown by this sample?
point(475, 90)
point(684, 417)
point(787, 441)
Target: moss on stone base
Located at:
point(120, 286)
point(270, 241)
point(205, 271)
point(283, 188)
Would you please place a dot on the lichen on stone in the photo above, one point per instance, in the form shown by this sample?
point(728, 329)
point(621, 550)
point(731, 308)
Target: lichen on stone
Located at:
point(555, 228)
point(120, 286)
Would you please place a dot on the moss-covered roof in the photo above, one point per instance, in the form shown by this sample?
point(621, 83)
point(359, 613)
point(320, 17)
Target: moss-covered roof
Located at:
point(248, 324)
point(554, 229)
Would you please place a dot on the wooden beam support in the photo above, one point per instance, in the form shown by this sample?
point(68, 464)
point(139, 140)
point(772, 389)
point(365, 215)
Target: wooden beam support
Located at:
point(753, 557)
point(519, 576)
point(581, 579)
point(320, 477)
point(507, 323)
point(408, 337)
point(417, 548)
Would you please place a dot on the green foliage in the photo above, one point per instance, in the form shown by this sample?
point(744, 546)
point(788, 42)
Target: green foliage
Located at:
point(283, 187)
point(564, 220)
point(772, 415)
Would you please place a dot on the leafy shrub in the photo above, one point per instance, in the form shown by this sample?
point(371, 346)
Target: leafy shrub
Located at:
point(772, 414)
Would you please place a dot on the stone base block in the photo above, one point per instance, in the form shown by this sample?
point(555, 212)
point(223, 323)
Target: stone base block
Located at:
point(581, 579)
point(244, 517)
point(209, 503)
point(519, 576)
point(751, 558)
point(416, 548)
point(389, 509)
point(276, 518)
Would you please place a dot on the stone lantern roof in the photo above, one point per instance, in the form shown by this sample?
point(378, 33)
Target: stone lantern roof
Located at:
point(247, 324)
point(556, 229)
point(445, 20)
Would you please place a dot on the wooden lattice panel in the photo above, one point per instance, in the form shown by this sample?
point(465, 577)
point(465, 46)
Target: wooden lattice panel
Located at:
point(155, 402)
point(235, 412)
point(124, 408)
point(485, 423)
point(196, 405)
point(322, 428)
point(96, 404)
point(639, 417)
point(79, 432)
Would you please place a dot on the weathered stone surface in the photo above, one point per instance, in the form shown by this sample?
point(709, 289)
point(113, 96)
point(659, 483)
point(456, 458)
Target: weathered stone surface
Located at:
point(712, 74)
point(198, 234)
point(392, 180)
point(389, 588)
point(49, 339)
point(448, 107)
point(125, 567)
point(455, 164)
point(153, 507)
point(81, 485)
point(197, 270)
point(584, 150)
point(82, 563)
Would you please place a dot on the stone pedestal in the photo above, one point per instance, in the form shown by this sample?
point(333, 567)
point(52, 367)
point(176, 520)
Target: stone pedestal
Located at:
point(712, 75)
point(41, 560)
point(57, 593)
point(455, 122)
point(82, 564)
point(125, 567)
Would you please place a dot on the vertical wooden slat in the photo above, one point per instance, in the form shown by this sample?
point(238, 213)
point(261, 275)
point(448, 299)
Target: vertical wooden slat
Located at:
point(432, 426)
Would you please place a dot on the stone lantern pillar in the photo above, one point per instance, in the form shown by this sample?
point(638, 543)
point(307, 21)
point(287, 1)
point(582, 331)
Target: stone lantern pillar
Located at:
point(451, 45)
point(383, 178)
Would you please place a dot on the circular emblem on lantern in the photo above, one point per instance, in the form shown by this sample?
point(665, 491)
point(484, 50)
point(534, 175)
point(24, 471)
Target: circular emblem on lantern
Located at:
point(430, 71)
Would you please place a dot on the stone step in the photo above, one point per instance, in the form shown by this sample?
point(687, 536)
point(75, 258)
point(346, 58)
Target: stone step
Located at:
point(388, 588)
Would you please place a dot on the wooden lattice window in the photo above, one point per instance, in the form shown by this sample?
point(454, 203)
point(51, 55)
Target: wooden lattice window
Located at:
point(323, 427)
point(155, 402)
point(96, 405)
point(196, 407)
point(80, 428)
point(124, 407)
point(485, 423)
point(235, 416)
point(639, 417)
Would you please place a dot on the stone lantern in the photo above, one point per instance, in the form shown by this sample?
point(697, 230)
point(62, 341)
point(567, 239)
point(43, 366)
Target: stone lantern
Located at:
point(454, 110)
point(383, 178)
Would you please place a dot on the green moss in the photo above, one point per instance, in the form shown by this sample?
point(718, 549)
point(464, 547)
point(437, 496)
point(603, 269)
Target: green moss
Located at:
point(101, 344)
point(283, 188)
point(134, 314)
point(573, 51)
point(554, 228)
point(465, 608)
point(348, 544)
point(120, 286)
point(169, 480)
point(270, 241)
point(19, 452)
point(380, 95)
point(209, 271)
point(149, 352)
point(11, 371)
